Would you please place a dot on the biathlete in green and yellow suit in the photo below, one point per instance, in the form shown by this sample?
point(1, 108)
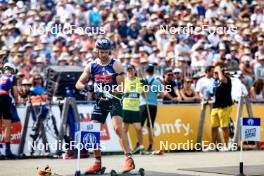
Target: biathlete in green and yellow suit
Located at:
point(133, 89)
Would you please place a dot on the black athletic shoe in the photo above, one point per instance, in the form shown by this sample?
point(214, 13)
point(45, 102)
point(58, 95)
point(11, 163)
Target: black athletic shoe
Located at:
point(150, 148)
point(2, 156)
point(138, 150)
point(10, 156)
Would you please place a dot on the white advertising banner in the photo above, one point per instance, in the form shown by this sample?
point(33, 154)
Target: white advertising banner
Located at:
point(109, 139)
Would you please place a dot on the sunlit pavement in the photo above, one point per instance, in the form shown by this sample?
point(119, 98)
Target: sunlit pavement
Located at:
point(168, 163)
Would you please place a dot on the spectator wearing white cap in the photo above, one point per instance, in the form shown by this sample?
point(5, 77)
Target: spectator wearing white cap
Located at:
point(109, 25)
point(39, 66)
point(46, 51)
point(211, 11)
point(182, 63)
point(23, 90)
point(232, 59)
point(178, 78)
point(161, 38)
point(183, 50)
point(74, 61)
point(193, 6)
point(143, 55)
point(246, 67)
point(122, 27)
point(171, 92)
point(228, 5)
point(137, 11)
point(64, 11)
point(11, 10)
point(210, 53)
point(170, 46)
point(198, 57)
point(133, 29)
point(153, 58)
point(62, 60)
point(220, 58)
point(257, 15)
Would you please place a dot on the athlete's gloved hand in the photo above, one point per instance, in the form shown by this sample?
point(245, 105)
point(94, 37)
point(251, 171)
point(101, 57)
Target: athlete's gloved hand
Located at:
point(107, 94)
point(98, 93)
point(87, 88)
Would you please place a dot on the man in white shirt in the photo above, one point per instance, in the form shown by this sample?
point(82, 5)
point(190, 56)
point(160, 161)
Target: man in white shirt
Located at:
point(211, 12)
point(257, 16)
point(228, 5)
point(204, 86)
point(183, 50)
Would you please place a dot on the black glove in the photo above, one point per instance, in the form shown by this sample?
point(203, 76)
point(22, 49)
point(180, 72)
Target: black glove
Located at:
point(88, 88)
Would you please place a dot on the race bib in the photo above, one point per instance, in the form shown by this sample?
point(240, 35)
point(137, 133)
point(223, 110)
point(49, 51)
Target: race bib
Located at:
point(131, 104)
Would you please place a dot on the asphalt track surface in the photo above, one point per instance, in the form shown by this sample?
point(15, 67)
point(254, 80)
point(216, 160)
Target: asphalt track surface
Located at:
point(184, 163)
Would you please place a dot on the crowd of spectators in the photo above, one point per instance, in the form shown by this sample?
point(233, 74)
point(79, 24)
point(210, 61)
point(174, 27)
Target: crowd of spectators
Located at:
point(183, 35)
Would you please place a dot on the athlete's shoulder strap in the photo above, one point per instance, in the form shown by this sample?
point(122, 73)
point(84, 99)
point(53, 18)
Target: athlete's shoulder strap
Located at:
point(111, 63)
point(150, 82)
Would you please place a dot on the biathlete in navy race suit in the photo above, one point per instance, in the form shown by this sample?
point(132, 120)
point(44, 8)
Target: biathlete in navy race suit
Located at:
point(7, 84)
point(106, 72)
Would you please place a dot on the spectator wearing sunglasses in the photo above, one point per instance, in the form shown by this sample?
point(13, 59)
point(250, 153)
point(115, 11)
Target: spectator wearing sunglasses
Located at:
point(171, 91)
point(178, 78)
point(187, 93)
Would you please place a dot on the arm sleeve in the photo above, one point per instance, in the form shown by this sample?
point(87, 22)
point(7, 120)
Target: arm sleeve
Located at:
point(14, 83)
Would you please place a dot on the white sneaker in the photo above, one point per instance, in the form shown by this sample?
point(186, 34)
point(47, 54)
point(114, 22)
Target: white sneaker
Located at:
point(224, 149)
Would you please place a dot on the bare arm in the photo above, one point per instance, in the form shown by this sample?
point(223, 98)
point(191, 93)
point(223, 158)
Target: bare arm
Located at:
point(15, 91)
point(253, 93)
point(167, 95)
point(198, 96)
point(83, 78)
point(222, 77)
point(177, 92)
point(120, 75)
point(246, 70)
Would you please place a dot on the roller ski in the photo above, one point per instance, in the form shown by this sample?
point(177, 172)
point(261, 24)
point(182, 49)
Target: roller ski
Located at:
point(128, 169)
point(156, 152)
point(140, 172)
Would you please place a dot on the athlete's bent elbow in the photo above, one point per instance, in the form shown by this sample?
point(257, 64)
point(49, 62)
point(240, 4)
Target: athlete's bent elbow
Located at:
point(78, 86)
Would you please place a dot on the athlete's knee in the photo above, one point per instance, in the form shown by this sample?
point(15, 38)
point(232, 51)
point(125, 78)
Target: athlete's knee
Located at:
point(138, 128)
point(118, 130)
point(125, 129)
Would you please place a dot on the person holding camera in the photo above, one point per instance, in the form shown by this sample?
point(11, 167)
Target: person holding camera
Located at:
point(221, 110)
